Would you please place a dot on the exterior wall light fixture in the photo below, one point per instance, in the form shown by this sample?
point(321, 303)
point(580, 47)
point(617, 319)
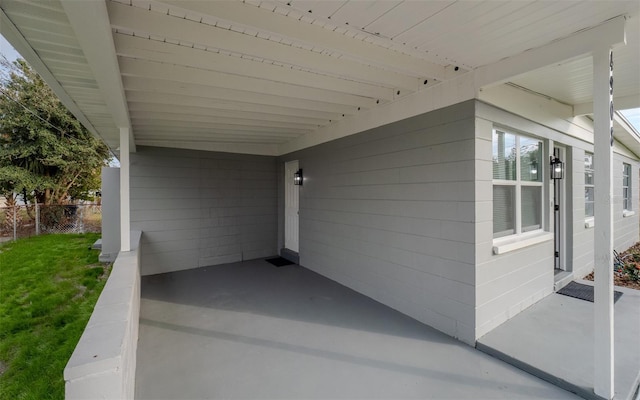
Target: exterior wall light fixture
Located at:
point(557, 168)
point(297, 177)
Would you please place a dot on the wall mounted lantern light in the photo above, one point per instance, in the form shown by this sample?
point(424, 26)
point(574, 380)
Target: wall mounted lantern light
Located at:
point(557, 168)
point(297, 177)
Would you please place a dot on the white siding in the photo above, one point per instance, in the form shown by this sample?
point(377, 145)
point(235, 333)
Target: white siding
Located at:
point(390, 213)
point(202, 208)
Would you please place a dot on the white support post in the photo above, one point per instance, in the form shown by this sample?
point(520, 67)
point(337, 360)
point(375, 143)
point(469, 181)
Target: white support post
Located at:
point(125, 229)
point(603, 282)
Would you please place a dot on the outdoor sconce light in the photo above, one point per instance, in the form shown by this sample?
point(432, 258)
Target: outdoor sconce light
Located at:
point(297, 177)
point(557, 168)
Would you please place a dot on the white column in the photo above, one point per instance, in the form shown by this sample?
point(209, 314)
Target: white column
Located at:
point(603, 297)
point(125, 228)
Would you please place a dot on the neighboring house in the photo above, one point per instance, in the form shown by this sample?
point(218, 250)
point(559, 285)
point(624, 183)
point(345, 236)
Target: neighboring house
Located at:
point(423, 138)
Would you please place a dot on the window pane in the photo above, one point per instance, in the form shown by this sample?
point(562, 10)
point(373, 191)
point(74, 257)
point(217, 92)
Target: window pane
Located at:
point(531, 208)
point(625, 198)
point(504, 156)
point(626, 171)
point(530, 160)
point(588, 201)
point(588, 178)
point(588, 161)
point(588, 169)
point(503, 210)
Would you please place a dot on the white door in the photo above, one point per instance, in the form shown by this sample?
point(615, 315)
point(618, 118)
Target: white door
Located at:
point(291, 194)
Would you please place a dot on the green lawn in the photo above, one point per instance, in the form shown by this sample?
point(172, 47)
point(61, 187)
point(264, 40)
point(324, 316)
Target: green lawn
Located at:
point(48, 287)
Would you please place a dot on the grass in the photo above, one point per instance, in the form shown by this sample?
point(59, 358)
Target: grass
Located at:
point(48, 287)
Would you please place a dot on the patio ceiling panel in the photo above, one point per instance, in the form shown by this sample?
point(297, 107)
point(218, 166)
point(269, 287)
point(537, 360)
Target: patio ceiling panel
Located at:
point(146, 22)
point(148, 99)
point(329, 67)
point(162, 52)
point(191, 89)
point(571, 82)
point(174, 73)
point(272, 70)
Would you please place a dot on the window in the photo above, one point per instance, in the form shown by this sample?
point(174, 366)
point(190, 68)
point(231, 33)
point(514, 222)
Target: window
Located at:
point(517, 184)
point(588, 185)
point(626, 187)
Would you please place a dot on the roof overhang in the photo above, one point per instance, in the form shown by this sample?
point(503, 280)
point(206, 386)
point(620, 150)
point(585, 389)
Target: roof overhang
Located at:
point(271, 77)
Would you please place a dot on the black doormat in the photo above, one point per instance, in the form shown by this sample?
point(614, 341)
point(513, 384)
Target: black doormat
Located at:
point(278, 261)
point(583, 292)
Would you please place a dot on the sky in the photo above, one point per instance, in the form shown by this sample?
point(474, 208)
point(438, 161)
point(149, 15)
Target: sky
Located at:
point(633, 115)
point(6, 49)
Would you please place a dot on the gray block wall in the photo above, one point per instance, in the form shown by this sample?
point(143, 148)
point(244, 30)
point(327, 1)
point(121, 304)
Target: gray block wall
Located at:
point(198, 208)
point(390, 213)
point(110, 228)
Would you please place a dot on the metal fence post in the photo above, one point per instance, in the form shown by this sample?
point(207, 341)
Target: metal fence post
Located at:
point(37, 219)
point(15, 223)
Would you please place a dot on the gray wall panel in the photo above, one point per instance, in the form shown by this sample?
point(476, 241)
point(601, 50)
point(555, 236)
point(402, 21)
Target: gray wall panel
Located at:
point(202, 208)
point(389, 212)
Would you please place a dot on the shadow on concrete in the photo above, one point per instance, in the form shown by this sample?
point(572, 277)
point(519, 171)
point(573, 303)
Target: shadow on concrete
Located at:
point(290, 292)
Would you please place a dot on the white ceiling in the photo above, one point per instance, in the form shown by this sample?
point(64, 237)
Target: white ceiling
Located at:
point(251, 76)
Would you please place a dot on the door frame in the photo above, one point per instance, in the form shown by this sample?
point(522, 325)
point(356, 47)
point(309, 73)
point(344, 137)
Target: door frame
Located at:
point(560, 201)
point(290, 167)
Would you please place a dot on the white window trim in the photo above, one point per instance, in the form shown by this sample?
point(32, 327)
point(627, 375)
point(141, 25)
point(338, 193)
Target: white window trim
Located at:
point(516, 242)
point(628, 213)
point(508, 243)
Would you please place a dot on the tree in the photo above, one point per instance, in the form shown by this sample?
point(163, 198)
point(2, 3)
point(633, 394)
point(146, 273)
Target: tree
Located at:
point(45, 153)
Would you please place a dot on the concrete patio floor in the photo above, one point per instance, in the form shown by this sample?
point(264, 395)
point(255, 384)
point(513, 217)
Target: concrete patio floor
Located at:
point(555, 342)
point(251, 330)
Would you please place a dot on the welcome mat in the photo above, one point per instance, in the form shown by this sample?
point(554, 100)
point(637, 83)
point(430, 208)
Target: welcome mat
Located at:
point(583, 292)
point(278, 261)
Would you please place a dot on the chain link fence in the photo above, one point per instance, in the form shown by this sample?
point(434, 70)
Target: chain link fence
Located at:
point(24, 221)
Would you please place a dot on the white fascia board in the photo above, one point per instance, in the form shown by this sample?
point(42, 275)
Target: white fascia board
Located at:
point(620, 103)
point(90, 21)
point(13, 35)
point(627, 136)
point(434, 97)
point(298, 30)
point(608, 34)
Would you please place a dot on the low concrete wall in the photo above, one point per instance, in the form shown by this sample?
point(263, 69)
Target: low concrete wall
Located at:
point(103, 363)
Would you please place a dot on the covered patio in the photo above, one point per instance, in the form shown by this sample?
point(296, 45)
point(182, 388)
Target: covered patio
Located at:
point(389, 107)
point(554, 337)
point(251, 330)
